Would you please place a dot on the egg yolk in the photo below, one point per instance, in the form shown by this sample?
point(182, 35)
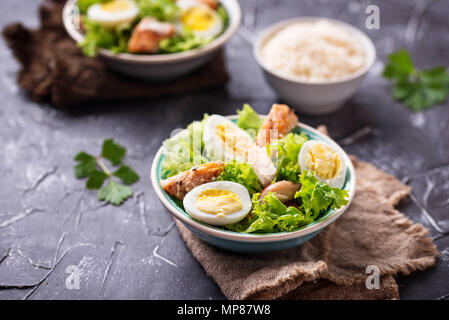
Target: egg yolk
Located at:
point(198, 18)
point(233, 141)
point(323, 160)
point(115, 6)
point(218, 202)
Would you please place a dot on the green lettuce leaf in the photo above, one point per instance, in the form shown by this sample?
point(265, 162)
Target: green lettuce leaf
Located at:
point(243, 174)
point(97, 37)
point(288, 147)
point(162, 10)
point(249, 119)
point(270, 215)
point(285, 153)
point(223, 15)
point(184, 150)
point(288, 170)
point(316, 197)
point(184, 41)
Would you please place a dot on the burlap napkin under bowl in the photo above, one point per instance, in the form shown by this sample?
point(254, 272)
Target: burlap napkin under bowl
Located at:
point(332, 265)
point(54, 70)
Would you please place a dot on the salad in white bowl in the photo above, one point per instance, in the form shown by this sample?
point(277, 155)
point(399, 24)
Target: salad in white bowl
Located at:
point(149, 26)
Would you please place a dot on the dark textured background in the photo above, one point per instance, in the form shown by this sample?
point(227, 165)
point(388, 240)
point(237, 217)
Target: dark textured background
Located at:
point(48, 221)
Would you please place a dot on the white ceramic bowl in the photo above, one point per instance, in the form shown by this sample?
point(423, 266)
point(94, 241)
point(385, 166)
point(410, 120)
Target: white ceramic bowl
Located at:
point(159, 67)
point(314, 97)
point(256, 243)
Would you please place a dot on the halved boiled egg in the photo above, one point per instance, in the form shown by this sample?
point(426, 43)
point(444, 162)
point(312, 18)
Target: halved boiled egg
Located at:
point(113, 13)
point(199, 18)
point(326, 162)
point(225, 141)
point(218, 203)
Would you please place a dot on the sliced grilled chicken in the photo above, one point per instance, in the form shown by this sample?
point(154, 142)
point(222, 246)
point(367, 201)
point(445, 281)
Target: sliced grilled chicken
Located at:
point(213, 4)
point(147, 35)
point(179, 185)
point(279, 122)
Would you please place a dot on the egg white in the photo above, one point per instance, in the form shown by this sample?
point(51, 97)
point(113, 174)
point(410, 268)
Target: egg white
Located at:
point(212, 219)
point(339, 179)
point(214, 30)
point(257, 156)
point(107, 19)
point(187, 4)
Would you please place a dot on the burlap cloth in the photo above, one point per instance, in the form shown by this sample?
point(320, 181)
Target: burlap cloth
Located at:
point(333, 264)
point(54, 70)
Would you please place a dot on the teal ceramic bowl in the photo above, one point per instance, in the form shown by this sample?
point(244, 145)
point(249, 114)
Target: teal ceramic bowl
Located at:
point(255, 243)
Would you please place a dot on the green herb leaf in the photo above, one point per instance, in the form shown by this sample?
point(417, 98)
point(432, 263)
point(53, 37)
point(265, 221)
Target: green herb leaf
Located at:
point(417, 89)
point(96, 179)
point(113, 151)
point(115, 193)
point(126, 174)
point(399, 64)
point(97, 172)
point(85, 166)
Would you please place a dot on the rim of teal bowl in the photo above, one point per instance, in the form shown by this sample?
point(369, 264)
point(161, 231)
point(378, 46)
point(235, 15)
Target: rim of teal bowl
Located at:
point(327, 218)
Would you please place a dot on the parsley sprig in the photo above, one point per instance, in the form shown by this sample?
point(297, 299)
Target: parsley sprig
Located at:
point(95, 170)
point(417, 89)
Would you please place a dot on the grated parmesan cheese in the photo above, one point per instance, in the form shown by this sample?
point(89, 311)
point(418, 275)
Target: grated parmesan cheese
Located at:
point(314, 50)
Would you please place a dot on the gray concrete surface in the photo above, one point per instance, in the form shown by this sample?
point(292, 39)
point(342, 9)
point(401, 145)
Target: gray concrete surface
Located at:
point(49, 222)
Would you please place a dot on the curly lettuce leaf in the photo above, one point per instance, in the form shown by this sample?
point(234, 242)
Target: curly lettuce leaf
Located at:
point(162, 10)
point(123, 33)
point(316, 197)
point(223, 15)
point(288, 170)
point(184, 150)
point(243, 174)
point(249, 120)
point(270, 215)
point(184, 41)
point(243, 225)
point(288, 147)
point(97, 37)
point(285, 152)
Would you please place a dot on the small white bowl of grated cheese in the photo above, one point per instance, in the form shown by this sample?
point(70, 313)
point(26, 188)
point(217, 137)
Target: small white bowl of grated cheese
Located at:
point(314, 64)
